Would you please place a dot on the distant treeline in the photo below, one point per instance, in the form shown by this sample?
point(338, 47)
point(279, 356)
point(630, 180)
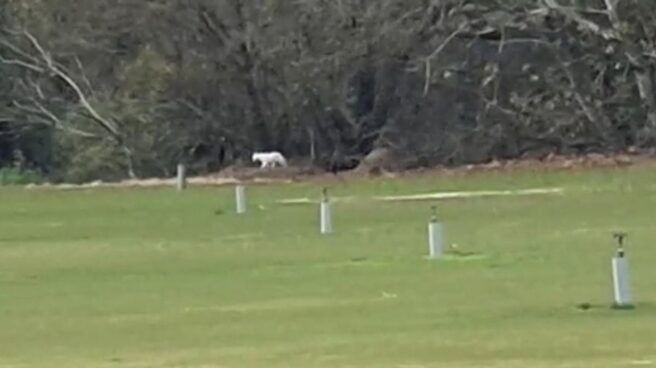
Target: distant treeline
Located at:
point(102, 89)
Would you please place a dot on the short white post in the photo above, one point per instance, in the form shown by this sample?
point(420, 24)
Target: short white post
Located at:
point(326, 214)
point(435, 233)
point(240, 199)
point(182, 177)
point(621, 280)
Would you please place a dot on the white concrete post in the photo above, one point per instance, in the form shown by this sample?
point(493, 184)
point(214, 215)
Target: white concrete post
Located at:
point(240, 199)
point(182, 177)
point(326, 214)
point(621, 280)
point(435, 237)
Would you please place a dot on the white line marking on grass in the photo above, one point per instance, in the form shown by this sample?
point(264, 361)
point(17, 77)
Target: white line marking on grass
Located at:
point(642, 362)
point(471, 194)
point(297, 201)
point(287, 305)
point(305, 200)
point(430, 196)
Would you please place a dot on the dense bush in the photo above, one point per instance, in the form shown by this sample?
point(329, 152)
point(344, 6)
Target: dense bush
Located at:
point(137, 86)
point(14, 176)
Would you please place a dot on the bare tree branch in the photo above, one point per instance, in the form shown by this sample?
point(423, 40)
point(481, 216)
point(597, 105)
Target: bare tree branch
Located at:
point(436, 52)
point(21, 63)
point(49, 118)
point(53, 68)
point(571, 13)
point(44, 64)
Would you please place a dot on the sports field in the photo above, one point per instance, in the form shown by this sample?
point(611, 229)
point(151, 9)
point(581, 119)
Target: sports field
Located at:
point(159, 278)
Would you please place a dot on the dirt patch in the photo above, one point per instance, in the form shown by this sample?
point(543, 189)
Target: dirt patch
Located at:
point(551, 162)
point(381, 160)
point(308, 173)
point(248, 173)
point(155, 182)
point(229, 176)
point(546, 163)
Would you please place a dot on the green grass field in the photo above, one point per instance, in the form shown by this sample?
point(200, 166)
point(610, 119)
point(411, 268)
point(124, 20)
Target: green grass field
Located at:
point(156, 278)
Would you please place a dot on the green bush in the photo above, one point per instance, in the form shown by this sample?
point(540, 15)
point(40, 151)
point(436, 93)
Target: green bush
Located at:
point(79, 160)
point(16, 176)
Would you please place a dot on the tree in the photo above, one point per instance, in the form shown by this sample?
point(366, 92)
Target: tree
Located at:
point(135, 86)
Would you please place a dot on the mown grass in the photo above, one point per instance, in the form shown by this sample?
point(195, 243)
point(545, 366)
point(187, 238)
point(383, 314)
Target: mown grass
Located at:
point(156, 278)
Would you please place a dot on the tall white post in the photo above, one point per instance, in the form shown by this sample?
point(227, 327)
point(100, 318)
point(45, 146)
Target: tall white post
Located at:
point(240, 199)
point(182, 177)
point(435, 237)
point(326, 214)
point(621, 285)
point(621, 280)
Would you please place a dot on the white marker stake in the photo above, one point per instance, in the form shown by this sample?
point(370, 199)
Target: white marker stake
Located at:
point(435, 235)
point(240, 199)
point(435, 239)
point(182, 177)
point(621, 286)
point(621, 282)
point(326, 215)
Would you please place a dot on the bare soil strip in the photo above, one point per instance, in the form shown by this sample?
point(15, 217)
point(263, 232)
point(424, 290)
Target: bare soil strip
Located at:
point(309, 174)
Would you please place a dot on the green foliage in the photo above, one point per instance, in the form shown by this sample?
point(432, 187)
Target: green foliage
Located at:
point(81, 160)
point(16, 176)
point(145, 78)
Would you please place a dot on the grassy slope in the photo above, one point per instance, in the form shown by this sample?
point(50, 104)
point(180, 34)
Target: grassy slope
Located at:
point(154, 278)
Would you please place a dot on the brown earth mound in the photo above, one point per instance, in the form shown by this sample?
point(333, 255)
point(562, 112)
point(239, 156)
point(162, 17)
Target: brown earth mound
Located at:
point(379, 161)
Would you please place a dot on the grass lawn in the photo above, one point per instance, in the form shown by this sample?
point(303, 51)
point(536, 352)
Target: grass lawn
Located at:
point(157, 278)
